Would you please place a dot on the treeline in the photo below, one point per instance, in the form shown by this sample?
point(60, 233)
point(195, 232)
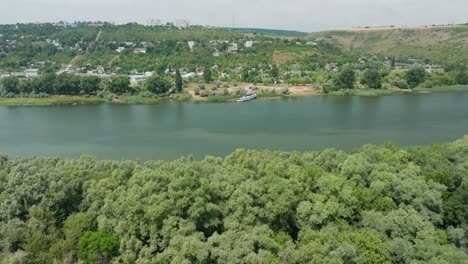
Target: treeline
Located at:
point(377, 204)
point(71, 84)
point(348, 77)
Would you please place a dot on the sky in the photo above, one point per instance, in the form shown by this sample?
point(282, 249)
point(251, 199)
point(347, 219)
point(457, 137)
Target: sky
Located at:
point(302, 15)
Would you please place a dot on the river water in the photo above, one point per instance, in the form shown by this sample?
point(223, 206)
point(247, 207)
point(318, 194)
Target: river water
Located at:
point(169, 130)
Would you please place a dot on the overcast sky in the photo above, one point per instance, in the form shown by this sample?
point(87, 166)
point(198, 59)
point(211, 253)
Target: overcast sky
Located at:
point(304, 15)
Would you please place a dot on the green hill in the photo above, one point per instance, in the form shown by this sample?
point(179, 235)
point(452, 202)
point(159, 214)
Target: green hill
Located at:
point(440, 44)
point(270, 32)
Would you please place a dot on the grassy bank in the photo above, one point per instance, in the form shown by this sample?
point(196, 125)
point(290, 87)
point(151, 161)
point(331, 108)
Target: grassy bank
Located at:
point(59, 100)
point(443, 89)
point(367, 92)
point(138, 99)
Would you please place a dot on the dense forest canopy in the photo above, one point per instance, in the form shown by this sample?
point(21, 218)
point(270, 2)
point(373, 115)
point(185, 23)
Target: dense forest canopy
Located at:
point(377, 204)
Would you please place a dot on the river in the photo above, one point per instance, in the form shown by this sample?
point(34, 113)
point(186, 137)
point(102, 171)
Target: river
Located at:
point(170, 130)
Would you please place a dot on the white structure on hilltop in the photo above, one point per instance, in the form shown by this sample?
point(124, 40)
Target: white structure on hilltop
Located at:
point(232, 48)
point(191, 44)
point(249, 43)
point(153, 22)
point(182, 23)
point(120, 49)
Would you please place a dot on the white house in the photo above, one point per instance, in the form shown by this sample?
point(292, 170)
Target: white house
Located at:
point(140, 50)
point(191, 44)
point(232, 48)
point(135, 79)
point(120, 49)
point(311, 43)
point(249, 44)
point(31, 73)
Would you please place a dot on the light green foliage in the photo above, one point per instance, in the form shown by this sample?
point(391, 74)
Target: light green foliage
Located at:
point(378, 204)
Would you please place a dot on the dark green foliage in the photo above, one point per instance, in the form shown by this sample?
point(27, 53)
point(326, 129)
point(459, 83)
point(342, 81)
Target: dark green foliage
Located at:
point(90, 84)
point(118, 85)
point(274, 73)
point(157, 84)
point(208, 75)
point(372, 79)
point(178, 82)
point(9, 85)
point(415, 77)
point(98, 247)
point(346, 78)
point(378, 204)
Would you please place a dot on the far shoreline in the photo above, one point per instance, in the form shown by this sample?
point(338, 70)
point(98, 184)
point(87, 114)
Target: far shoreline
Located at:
point(67, 100)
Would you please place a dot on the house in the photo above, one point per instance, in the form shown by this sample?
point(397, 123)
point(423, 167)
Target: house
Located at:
point(31, 73)
point(249, 44)
point(120, 49)
point(191, 44)
point(216, 53)
point(311, 43)
point(140, 50)
point(232, 48)
point(135, 79)
point(18, 74)
point(4, 73)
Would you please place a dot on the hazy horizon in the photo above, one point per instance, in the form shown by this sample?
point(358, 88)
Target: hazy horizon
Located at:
point(301, 15)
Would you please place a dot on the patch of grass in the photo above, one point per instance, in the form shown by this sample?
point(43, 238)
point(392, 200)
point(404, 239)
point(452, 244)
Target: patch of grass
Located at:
point(221, 98)
point(59, 100)
point(444, 89)
point(138, 99)
point(184, 98)
point(365, 92)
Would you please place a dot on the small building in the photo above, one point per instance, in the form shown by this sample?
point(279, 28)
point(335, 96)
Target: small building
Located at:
point(232, 48)
point(31, 73)
point(191, 44)
point(311, 43)
point(140, 50)
point(18, 74)
point(136, 79)
point(249, 44)
point(120, 49)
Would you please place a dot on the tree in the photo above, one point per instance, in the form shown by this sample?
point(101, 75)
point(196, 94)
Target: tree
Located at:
point(178, 81)
point(207, 75)
point(9, 85)
point(462, 77)
point(98, 247)
point(157, 84)
point(372, 79)
point(415, 76)
point(119, 84)
point(274, 71)
point(346, 78)
point(90, 84)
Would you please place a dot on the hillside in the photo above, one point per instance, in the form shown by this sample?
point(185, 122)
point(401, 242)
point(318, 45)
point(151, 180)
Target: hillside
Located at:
point(270, 32)
point(440, 44)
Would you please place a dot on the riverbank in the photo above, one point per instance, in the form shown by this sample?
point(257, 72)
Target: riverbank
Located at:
point(263, 92)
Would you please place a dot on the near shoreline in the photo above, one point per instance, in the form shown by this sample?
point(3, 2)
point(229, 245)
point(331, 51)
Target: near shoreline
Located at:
point(264, 93)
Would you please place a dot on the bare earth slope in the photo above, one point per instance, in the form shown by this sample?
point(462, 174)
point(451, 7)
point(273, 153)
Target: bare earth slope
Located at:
point(439, 43)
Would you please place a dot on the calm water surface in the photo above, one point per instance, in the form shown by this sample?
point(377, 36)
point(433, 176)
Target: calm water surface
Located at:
point(169, 130)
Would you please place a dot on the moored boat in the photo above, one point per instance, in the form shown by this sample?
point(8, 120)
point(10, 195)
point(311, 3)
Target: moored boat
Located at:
point(247, 97)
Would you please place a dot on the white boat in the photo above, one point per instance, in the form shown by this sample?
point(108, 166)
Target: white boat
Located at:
point(247, 98)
